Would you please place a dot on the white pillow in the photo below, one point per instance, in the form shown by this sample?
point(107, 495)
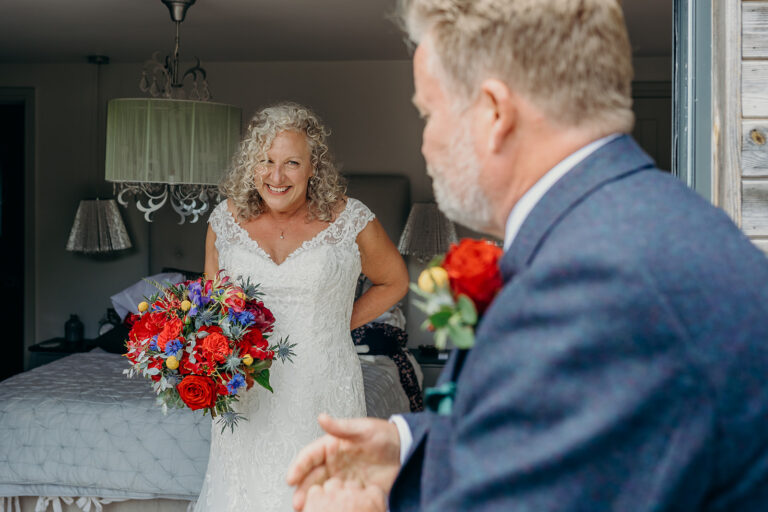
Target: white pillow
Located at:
point(127, 301)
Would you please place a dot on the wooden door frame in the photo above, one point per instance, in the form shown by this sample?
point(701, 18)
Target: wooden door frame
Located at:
point(726, 106)
point(692, 97)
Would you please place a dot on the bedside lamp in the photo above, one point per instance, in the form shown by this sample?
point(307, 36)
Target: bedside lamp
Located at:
point(427, 232)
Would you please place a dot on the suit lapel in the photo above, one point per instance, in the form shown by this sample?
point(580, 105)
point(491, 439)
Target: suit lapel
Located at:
point(614, 160)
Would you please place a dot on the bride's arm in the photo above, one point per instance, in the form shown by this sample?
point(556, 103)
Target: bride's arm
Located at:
point(385, 268)
point(211, 254)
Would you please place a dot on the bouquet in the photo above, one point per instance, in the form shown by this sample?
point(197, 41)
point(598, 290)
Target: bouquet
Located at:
point(203, 341)
point(458, 287)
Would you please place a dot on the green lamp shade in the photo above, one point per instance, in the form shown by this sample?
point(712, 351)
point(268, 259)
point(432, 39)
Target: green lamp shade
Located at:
point(170, 141)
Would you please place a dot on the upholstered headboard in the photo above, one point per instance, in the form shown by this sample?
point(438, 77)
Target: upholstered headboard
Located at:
point(183, 246)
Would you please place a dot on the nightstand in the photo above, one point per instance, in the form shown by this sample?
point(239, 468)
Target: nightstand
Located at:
point(430, 366)
point(55, 348)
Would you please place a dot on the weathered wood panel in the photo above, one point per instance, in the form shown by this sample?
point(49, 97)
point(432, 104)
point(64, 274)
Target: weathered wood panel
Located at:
point(754, 88)
point(755, 30)
point(754, 152)
point(726, 107)
point(761, 244)
point(754, 207)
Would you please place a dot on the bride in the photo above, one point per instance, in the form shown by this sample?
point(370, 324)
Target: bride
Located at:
point(287, 225)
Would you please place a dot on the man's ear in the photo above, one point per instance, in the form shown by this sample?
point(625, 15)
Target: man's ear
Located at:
point(499, 113)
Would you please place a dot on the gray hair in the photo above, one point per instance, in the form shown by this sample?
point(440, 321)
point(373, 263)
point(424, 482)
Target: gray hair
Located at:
point(571, 58)
point(326, 187)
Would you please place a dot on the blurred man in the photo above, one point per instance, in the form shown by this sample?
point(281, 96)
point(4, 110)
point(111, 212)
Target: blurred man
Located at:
point(623, 365)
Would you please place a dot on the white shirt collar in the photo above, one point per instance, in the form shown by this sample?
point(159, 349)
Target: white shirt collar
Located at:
point(534, 194)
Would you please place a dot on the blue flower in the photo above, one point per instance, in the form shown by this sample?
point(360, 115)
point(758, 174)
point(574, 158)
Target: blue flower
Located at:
point(243, 318)
point(153, 343)
point(172, 347)
point(235, 383)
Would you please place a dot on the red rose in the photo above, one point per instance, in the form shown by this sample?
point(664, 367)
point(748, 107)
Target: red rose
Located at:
point(197, 392)
point(171, 331)
point(263, 319)
point(216, 348)
point(473, 270)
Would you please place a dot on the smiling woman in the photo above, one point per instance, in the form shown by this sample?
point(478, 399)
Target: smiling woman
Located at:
point(288, 226)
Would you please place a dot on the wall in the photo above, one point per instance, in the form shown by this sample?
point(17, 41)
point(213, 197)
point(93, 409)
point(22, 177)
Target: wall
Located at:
point(754, 122)
point(367, 104)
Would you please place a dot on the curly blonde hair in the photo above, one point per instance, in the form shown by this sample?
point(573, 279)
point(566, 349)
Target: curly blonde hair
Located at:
point(326, 186)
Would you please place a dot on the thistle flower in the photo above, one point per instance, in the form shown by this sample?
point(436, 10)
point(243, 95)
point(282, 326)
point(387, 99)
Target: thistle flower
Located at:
point(230, 419)
point(204, 318)
point(251, 290)
point(284, 350)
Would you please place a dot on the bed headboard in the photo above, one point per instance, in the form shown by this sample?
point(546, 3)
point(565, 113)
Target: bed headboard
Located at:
point(183, 246)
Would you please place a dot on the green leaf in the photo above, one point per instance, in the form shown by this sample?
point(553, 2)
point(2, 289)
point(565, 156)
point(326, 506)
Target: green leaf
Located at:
point(418, 291)
point(437, 261)
point(462, 337)
point(440, 319)
point(467, 310)
point(441, 338)
point(263, 380)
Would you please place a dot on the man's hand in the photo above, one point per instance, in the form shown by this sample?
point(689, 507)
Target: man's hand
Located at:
point(364, 452)
point(338, 496)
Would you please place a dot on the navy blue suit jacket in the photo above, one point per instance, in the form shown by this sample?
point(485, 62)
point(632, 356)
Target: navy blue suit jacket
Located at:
point(623, 366)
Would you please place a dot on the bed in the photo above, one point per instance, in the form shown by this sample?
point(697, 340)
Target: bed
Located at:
point(107, 446)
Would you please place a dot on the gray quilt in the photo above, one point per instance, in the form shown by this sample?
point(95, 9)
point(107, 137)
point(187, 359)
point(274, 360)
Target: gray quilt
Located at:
point(79, 427)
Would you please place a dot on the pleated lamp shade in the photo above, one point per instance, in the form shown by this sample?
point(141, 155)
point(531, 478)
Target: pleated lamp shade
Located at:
point(98, 228)
point(427, 232)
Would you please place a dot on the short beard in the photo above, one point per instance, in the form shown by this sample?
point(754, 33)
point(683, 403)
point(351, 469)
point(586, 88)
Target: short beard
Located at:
point(456, 183)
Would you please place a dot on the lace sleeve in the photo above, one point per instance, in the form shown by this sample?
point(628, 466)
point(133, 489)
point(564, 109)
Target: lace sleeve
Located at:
point(216, 218)
point(359, 215)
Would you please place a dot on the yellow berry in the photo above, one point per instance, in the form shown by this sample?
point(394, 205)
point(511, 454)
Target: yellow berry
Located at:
point(248, 360)
point(185, 305)
point(172, 363)
point(143, 306)
point(431, 278)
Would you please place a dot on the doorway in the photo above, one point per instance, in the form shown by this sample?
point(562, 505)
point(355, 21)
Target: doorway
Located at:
point(16, 249)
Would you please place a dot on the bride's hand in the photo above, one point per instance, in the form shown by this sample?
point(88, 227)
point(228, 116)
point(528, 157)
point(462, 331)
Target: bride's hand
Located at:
point(364, 451)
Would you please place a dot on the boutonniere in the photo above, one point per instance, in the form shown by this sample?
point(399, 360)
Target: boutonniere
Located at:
point(457, 288)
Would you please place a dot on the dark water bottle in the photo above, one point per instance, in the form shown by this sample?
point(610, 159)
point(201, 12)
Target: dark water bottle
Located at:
point(73, 329)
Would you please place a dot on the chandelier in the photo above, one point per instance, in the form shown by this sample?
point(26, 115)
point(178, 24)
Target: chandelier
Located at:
point(174, 146)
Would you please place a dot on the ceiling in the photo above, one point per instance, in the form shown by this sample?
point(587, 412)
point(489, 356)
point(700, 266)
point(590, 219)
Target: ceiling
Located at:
point(242, 30)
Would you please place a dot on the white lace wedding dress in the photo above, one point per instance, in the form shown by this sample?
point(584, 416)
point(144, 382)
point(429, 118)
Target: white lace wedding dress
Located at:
point(310, 295)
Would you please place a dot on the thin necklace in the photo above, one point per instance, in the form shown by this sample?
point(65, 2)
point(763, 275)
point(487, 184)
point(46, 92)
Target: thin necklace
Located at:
point(282, 231)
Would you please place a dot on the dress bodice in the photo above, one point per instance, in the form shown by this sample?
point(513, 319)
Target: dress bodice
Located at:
point(318, 276)
point(311, 295)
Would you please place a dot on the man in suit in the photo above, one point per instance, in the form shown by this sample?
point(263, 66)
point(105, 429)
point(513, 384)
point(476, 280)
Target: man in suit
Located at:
point(624, 364)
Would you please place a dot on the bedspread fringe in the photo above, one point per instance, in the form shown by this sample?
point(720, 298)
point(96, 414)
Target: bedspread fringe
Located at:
point(84, 503)
point(11, 502)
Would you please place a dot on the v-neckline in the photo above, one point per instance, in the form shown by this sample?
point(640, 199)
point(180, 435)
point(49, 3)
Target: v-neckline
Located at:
point(297, 250)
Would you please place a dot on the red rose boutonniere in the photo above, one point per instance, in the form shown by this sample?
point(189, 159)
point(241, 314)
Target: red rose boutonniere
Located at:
point(457, 288)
